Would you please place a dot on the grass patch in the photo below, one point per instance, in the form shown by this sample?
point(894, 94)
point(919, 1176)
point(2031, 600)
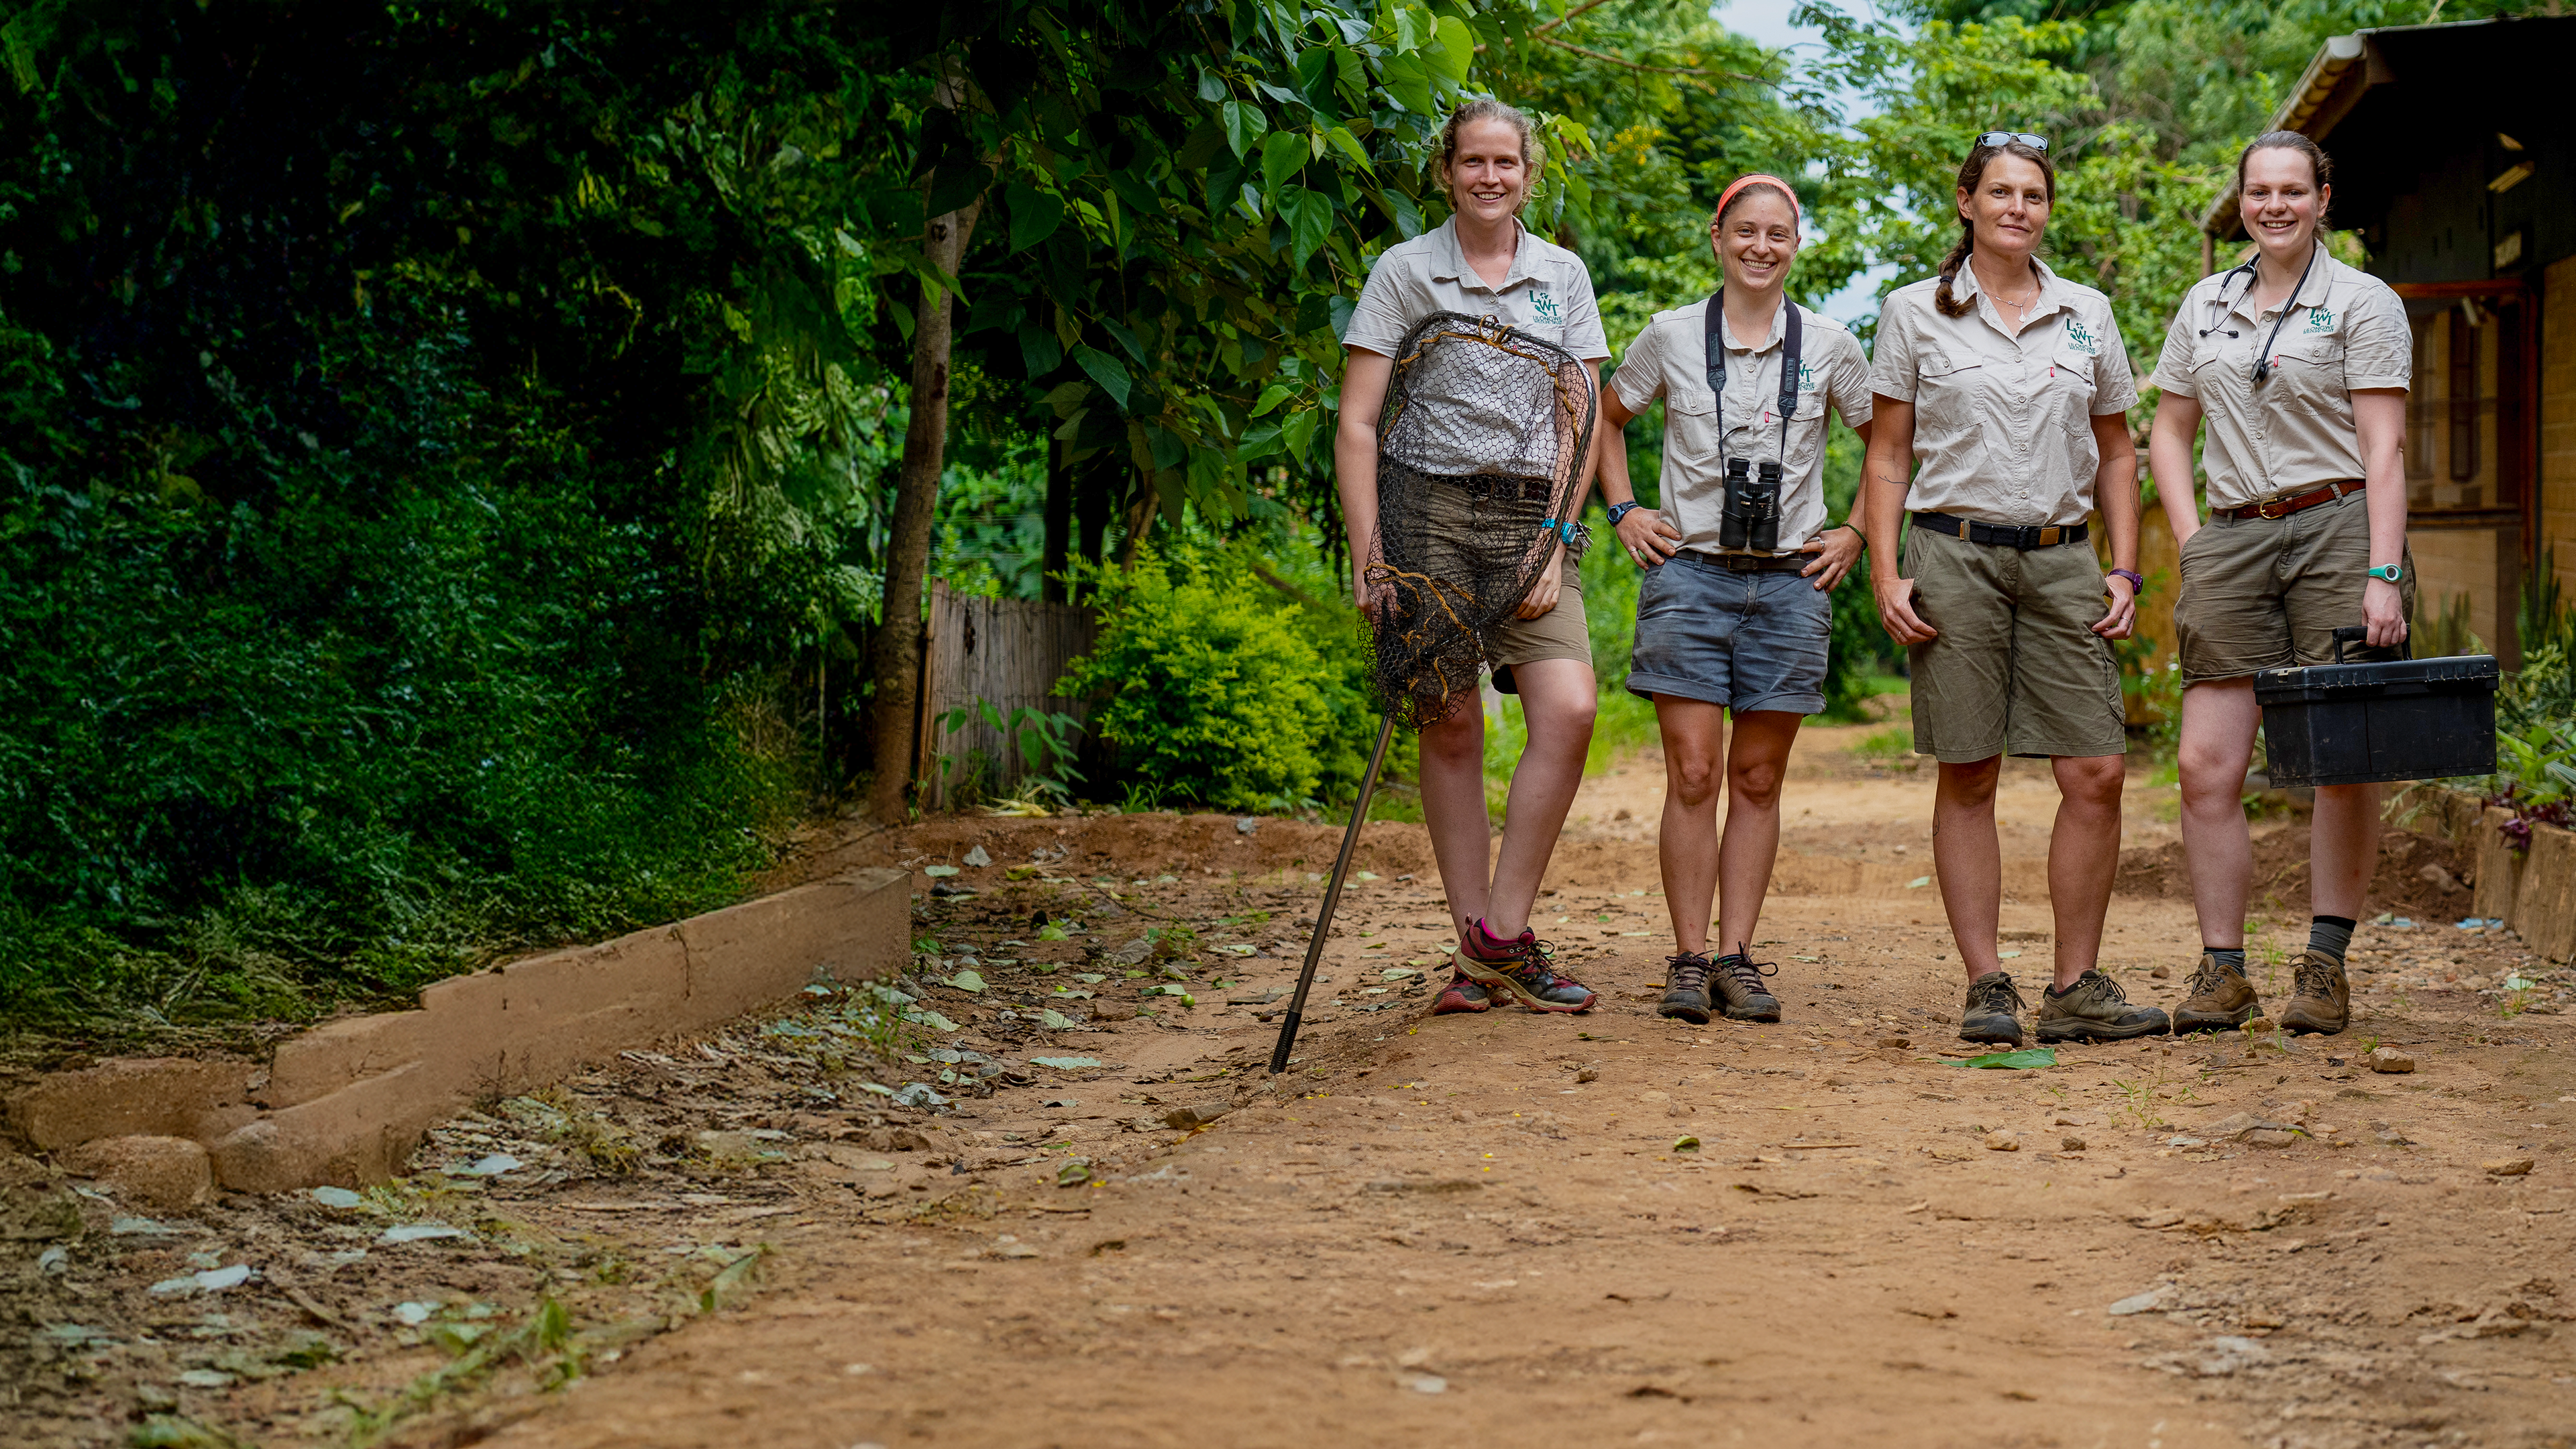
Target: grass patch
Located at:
point(1894, 743)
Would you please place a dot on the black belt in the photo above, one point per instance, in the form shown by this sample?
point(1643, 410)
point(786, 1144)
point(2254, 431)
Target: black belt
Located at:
point(1488, 485)
point(2005, 535)
point(1750, 563)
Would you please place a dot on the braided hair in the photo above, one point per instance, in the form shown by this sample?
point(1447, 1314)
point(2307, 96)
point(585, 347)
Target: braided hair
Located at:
point(1971, 176)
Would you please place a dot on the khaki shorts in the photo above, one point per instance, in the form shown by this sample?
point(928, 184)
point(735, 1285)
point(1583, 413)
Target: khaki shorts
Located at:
point(1560, 633)
point(2268, 593)
point(2017, 668)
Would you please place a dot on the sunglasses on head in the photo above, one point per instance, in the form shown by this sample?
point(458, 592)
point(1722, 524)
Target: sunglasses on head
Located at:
point(2001, 138)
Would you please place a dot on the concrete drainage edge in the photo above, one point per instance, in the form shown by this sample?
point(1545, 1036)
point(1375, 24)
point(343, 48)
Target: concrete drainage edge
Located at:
point(346, 1102)
point(2534, 893)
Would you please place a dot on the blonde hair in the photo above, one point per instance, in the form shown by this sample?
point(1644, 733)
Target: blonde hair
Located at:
point(1533, 152)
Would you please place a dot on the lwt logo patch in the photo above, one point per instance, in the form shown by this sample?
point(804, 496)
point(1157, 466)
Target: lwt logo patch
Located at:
point(2320, 319)
point(2080, 340)
point(1544, 308)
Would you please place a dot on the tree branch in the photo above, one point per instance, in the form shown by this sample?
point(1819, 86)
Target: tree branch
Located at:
point(1569, 15)
point(1651, 69)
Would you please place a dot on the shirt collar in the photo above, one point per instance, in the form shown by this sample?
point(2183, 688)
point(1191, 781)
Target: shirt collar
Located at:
point(2052, 291)
point(2321, 279)
point(1449, 263)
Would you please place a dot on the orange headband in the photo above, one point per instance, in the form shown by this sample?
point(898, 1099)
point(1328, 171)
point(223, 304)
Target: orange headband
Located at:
point(1757, 178)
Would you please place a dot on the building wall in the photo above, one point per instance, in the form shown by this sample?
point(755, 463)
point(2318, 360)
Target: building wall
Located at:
point(2451, 563)
point(2558, 417)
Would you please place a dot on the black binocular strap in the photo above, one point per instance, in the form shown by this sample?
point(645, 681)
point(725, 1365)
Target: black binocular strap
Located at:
point(1713, 334)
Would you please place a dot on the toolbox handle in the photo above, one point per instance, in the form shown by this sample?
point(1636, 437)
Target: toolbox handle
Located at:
point(2355, 633)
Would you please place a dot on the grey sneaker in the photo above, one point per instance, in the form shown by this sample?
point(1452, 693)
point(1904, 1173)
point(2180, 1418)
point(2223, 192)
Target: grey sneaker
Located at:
point(2320, 997)
point(1990, 1015)
point(2095, 1009)
point(2221, 999)
point(1736, 983)
point(1686, 988)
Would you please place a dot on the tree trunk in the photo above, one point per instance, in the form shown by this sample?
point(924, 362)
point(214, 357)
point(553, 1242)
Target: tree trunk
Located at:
point(1059, 521)
point(894, 655)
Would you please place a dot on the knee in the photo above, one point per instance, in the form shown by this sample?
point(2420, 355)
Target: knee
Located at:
point(1755, 782)
point(1455, 739)
point(1694, 778)
point(1972, 783)
point(2095, 781)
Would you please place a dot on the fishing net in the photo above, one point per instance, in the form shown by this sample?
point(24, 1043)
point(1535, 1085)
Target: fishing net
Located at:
point(1480, 458)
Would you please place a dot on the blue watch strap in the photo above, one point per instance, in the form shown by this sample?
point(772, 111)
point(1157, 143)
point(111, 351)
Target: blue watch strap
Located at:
point(1621, 510)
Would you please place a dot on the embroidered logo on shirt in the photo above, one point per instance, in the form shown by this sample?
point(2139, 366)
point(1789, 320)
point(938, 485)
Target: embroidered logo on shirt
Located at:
point(1544, 307)
point(2079, 340)
point(1806, 377)
point(2320, 319)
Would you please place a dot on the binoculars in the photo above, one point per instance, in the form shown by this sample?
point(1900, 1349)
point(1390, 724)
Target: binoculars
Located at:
point(1751, 516)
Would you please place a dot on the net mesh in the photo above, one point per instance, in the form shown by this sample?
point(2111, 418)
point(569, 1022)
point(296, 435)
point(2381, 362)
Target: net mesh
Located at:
point(1481, 449)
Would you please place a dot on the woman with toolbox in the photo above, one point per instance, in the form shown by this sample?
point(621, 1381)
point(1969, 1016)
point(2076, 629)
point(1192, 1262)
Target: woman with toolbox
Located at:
point(2298, 365)
point(2010, 385)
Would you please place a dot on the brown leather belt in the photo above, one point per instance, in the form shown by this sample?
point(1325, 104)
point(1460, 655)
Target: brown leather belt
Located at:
point(1749, 563)
point(2284, 507)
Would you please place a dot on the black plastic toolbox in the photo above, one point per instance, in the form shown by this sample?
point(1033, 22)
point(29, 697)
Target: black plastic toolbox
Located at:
point(2353, 724)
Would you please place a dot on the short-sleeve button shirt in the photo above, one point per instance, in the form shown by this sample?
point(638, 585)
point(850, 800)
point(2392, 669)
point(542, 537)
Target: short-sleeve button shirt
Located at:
point(1547, 294)
point(2003, 419)
point(2346, 330)
point(1669, 360)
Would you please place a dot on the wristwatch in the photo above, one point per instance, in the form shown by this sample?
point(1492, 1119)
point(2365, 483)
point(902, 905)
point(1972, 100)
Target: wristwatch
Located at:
point(1620, 510)
point(2391, 572)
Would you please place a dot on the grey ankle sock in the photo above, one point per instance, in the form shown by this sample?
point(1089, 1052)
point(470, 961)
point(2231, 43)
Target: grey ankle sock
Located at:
point(2330, 934)
point(2231, 957)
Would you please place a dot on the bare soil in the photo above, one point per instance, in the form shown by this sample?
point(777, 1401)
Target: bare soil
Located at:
point(1488, 1228)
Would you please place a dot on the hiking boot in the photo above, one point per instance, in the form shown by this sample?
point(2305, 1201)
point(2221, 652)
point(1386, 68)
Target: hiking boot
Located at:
point(1736, 983)
point(1990, 1014)
point(1462, 994)
point(2095, 1009)
point(2221, 999)
point(1686, 988)
point(1523, 969)
point(2320, 997)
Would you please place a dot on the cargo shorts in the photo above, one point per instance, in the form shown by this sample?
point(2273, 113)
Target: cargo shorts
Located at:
point(1561, 633)
point(2017, 668)
point(2268, 593)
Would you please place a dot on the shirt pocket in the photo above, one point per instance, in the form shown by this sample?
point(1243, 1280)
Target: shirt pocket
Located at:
point(2309, 373)
point(1691, 420)
point(1946, 388)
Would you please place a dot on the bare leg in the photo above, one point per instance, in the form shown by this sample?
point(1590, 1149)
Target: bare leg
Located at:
point(1755, 761)
point(1969, 859)
point(1453, 807)
point(2083, 856)
point(2218, 720)
point(1686, 842)
point(2343, 849)
point(1558, 699)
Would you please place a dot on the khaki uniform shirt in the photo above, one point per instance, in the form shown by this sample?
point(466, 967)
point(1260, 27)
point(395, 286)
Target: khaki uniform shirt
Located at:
point(2293, 431)
point(1547, 294)
point(2003, 421)
point(1670, 360)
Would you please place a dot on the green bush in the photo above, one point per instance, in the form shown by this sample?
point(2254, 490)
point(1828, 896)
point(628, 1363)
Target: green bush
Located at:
point(1212, 686)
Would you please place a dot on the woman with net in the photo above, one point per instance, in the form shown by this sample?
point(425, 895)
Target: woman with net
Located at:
point(2009, 385)
point(1483, 262)
point(2299, 365)
point(1733, 617)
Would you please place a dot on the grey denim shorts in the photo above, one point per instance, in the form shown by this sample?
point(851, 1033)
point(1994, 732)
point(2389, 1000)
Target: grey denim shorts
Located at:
point(1749, 641)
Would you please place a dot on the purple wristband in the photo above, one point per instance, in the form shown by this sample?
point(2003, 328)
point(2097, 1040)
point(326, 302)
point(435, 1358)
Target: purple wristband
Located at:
point(2137, 584)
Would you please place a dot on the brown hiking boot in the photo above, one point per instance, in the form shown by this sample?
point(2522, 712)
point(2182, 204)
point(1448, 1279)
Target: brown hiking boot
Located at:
point(1992, 1013)
point(2320, 997)
point(1686, 988)
point(1735, 987)
point(2095, 1009)
point(2221, 999)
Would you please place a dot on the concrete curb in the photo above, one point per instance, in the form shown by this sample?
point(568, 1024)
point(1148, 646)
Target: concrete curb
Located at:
point(348, 1101)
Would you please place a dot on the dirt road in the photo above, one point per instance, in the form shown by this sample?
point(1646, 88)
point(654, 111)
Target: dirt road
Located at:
point(1509, 1228)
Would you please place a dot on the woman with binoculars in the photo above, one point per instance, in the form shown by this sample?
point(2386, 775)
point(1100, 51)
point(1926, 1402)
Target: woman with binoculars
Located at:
point(1733, 617)
point(2010, 386)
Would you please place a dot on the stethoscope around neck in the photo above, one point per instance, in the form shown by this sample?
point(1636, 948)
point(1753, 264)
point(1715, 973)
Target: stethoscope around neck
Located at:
point(2263, 359)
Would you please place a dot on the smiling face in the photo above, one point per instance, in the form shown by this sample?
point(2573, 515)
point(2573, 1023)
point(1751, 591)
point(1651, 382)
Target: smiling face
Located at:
point(1488, 178)
point(2009, 207)
point(2282, 202)
point(1756, 240)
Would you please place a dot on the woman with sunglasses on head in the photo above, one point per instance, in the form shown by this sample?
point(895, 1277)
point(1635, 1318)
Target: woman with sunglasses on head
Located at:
point(1483, 262)
point(2010, 386)
point(2299, 366)
point(1733, 617)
